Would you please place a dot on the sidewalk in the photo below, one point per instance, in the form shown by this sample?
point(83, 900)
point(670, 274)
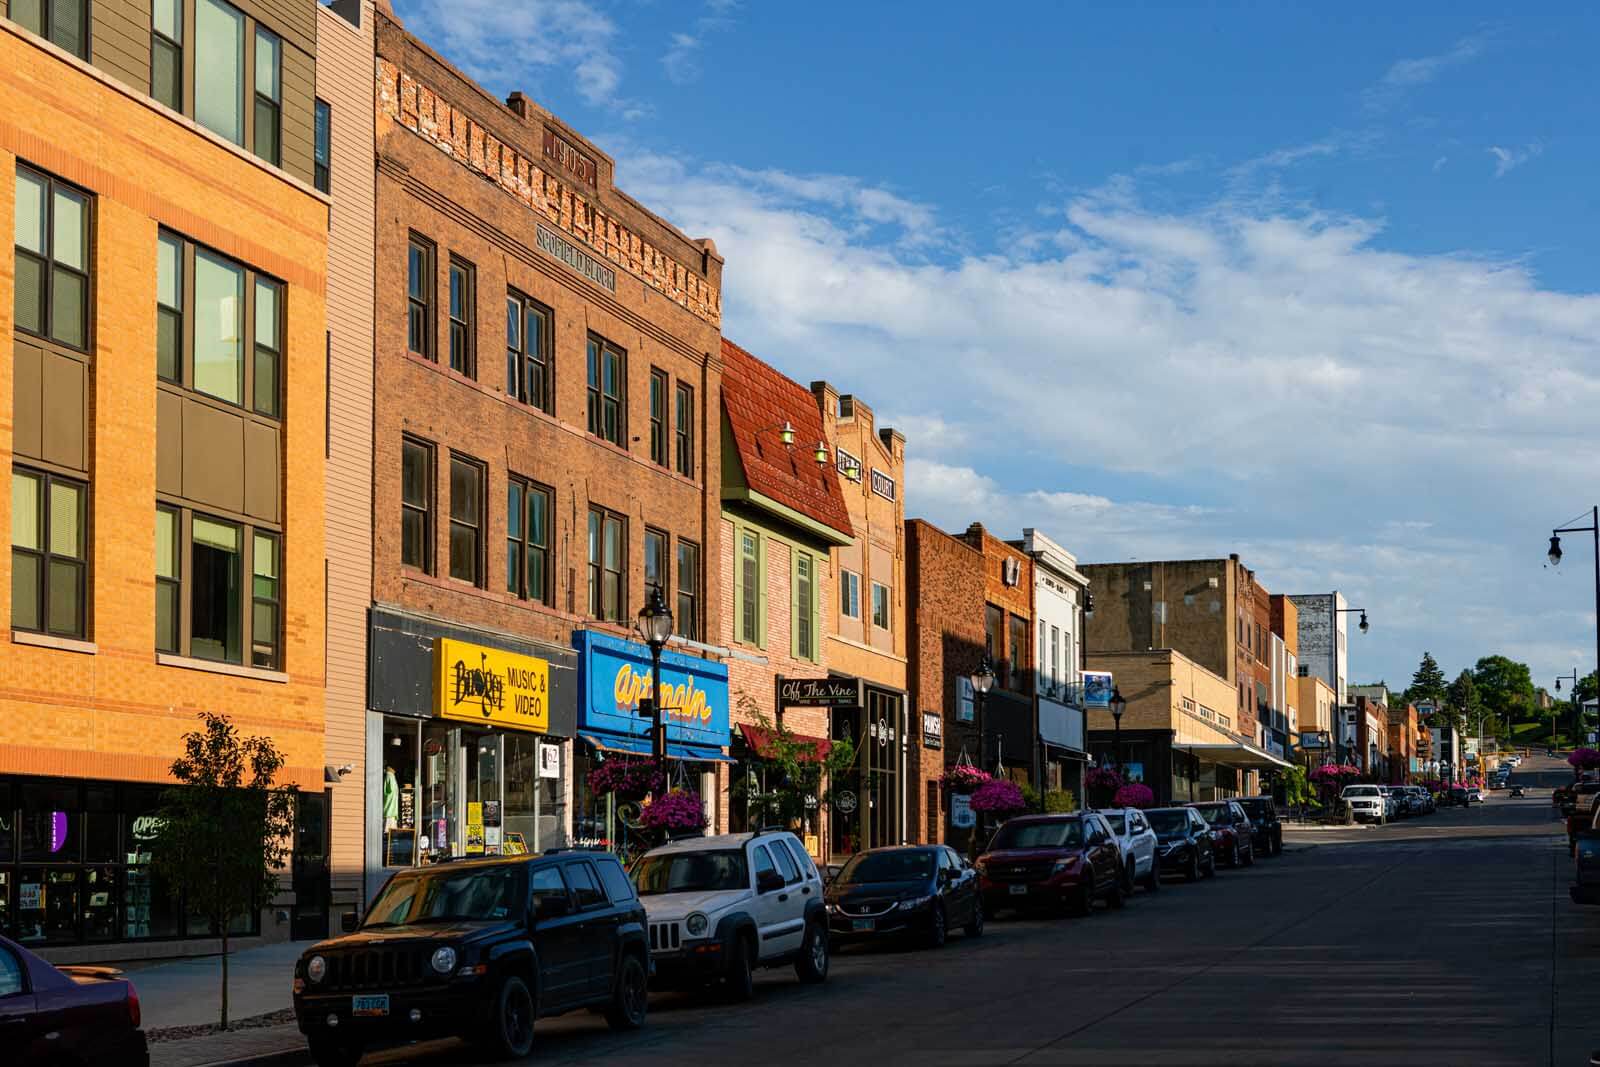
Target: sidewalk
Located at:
point(267, 1046)
point(188, 993)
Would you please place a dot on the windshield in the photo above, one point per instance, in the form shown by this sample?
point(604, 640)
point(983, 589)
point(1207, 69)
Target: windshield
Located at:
point(1062, 833)
point(691, 872)
point(1256, 809)
point(887, 867)
point(1213, 813)
point(1119, 822)
point(1361, 791)
point(481, 894)
point(1168, 822)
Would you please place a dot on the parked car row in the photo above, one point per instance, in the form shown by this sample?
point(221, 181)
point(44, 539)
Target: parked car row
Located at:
point(1382, 803)
point(483, 948)
point(1582, 810)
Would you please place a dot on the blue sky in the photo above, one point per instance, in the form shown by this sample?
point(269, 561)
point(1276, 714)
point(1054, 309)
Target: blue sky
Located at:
point(1313, 286)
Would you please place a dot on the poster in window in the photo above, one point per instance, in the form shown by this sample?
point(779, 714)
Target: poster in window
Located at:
point(474, 827)
point(549, 761)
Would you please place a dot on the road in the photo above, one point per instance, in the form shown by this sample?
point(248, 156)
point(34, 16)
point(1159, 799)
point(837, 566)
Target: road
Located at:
point(1444, 940)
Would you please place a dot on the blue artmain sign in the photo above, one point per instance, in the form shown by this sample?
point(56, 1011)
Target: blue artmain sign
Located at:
point(614, 674)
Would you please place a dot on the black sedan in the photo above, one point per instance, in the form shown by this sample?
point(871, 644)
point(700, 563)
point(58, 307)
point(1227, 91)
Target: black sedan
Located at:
point(919, 892)
point(1266, 832)
point(1184, 842)
point(52, 1015)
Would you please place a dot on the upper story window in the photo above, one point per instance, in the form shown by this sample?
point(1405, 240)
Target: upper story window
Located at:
point(236, 68)
point(416, 505)
point(202, 608)
point(658, 416)
point(994, 638)
point(528, 352)
point(463, 321)
point(322, 148)
point(419, 296)
point(52, 259)
point(882, 611)
point(268, 138)
point(466, 519)
point(64, 23)
point(211, 312)
point(689, 589)
point(749, 589)
point(849, 594)
point(656, 566)
point(528, 541)
point(804, 623)
point(608, 392)
point(166, 52)
point(608, 574)
point(49, 521)
point(683, 404)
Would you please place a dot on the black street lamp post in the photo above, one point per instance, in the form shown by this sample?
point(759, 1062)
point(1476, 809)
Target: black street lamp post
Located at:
point(1577, 713)
point(655, 621)
point(982, 681)
point(1555, 560)
point(1118, 706)
point(1335, 611)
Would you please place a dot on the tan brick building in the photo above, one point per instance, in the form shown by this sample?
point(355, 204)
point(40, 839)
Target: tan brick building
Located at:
point(546, 383)
point(163, 418)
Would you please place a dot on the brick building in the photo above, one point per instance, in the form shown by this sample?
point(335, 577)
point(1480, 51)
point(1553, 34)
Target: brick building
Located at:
point(547, 353)
point(163, 420)
point(1404, 757)
point(969, 596)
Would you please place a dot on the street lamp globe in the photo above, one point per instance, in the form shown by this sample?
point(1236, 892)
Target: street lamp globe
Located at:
point(786, 434)
point(655, 619)
point(1363, 625)
point(820, 454)
point(983, 678)
point(1118, 705)
point(1555, 550)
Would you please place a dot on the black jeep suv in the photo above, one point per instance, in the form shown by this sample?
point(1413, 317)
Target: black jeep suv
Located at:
point(478, 948)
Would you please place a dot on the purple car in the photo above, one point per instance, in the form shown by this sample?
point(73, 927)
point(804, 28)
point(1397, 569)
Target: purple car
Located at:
point(52, 1015)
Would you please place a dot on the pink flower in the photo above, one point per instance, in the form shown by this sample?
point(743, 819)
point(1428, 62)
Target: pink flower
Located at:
point(677, 810)
point(1584, 759)
point(1000, 796)
point(1102, 778)
point(1134, 795)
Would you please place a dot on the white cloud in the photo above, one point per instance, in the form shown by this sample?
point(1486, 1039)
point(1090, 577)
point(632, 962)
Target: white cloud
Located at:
point(1439, 163)
point(1244, 376)
point(1509, 159)
point(681, 61)
point(1407, 74)
point(501, 43)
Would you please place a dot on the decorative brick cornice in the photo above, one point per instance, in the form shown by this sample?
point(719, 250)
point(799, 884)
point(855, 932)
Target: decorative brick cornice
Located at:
point(417, 107)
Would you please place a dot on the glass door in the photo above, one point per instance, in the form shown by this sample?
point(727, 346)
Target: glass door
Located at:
point(481, 800)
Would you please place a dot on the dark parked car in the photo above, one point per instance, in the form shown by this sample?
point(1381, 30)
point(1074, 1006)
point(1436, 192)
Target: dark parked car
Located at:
point(1458, 797)
point(67, 1015)
point(1230, 829)
point(1517, 793)
point(1053, 860)
point(478, 948)
point(1586, 869)
point(1183, 842)
point(1266, 832)
point(1581, 815)
point(918, 891)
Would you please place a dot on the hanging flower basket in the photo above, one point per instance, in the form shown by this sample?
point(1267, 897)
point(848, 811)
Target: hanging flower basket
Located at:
point(675, 814)
point(1134, 795)
point(965, 778)
point(628, 779)
point(1584, 759)
point(998, 796)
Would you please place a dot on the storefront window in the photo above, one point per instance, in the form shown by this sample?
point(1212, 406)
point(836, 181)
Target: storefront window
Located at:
point(533, 804)
point(50, 822)
point(399, 793)
point(47, 904)
point(434, 838)
point(101, 903)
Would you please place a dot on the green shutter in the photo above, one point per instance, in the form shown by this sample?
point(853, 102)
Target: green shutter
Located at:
point(738, 584)
point(795, 607)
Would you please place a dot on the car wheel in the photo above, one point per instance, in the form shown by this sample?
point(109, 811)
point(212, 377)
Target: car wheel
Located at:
point(1083, 899)
point(937, 931)
point(1116, 897)
point(739, 984)
point(1250, 855)
point(331, 1052)
point(512, 1036)
point(975, 927)
point(1127, 878)
point(631, 999)
point(1234, 858)
point(812, 964)
point(1152, 881)
point(1211, 865)
point(1192, 874)
point(1277, 844)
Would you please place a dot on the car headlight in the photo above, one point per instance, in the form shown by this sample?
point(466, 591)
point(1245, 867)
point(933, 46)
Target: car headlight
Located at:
point(444, 959)
point(981, 864)
point(316, 968)
point(696, 924)
point(1064, 865)
point(913, 903)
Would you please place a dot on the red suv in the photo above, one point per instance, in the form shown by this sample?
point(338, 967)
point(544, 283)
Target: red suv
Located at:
point(1051, 860)
point(1230, 831)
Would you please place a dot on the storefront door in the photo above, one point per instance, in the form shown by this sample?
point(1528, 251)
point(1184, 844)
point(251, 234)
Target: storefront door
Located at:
point(309, 868)
point(884, 729)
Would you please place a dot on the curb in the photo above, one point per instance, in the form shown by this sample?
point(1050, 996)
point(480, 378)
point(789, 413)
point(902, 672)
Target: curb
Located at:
point(288, 1058)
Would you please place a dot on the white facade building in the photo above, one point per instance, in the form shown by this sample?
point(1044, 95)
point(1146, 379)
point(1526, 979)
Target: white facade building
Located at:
point(1058, 599)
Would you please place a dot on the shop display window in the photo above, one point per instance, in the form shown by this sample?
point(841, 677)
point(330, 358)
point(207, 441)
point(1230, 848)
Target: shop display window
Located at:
point(51, 822)
point(399, 794)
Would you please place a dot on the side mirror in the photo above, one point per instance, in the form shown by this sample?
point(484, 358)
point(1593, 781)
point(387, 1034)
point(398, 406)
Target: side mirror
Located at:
point(769, 881)
point(349, 922)
point(553, 907)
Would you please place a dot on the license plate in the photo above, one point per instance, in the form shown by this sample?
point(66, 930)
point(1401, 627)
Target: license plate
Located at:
point(376, 1005)
point(1019, 890)
point(861, 924)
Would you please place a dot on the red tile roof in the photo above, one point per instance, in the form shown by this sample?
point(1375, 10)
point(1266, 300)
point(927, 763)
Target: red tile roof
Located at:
point(757, 400)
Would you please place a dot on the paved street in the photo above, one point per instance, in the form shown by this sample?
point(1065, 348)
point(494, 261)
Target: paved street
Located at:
point(1448, 940)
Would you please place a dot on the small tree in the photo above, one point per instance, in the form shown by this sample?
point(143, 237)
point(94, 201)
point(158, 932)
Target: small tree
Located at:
point(796, 770)
point(1428, 683)
point(224, 832)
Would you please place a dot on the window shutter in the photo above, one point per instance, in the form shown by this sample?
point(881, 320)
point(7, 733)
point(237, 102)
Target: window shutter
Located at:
point(796, 608)
point(736, 544)
point(761, 591)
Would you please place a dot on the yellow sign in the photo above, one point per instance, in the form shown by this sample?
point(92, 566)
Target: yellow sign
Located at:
point(680, 701)
point(485, 685)
point(474, 826)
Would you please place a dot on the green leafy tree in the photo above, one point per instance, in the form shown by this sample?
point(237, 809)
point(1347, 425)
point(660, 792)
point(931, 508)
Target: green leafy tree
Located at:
point(224, 832)
point(1428, 683)
point(1461, 703)
point(1506, 689)
point(794, 773)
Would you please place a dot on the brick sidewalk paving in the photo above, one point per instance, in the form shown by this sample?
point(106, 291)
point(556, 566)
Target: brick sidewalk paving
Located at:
point(277, 1046)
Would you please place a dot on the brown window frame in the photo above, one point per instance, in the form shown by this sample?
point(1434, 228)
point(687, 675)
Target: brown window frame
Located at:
point(683, 428)
point(660, 385)
point(598, 571)
point(463, 332)
point(252, 102)
point(182, 582)
point(322, 146)
point(48, 25)
point(1019, 640)
point(663, 563)
point(888, 607)
point(519, 494)
point(688, 600)
point(265, 104)
point(420, 303)
point(266, 655)
point(49, 264)
point(605, 405)
point(994, 625)
point(48, 559)
point(425, 510)
point(481, 475)
point(525, 367)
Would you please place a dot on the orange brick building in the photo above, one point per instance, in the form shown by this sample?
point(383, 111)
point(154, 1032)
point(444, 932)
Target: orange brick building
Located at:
point(162, 415)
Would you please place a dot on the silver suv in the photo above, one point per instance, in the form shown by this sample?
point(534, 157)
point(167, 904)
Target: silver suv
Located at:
point(719, 907)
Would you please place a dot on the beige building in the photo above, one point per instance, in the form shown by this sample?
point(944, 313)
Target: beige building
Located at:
point(1179, 734)
point(1317, 701)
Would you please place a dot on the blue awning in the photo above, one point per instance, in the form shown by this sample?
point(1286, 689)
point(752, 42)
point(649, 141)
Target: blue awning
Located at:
point(629, 744)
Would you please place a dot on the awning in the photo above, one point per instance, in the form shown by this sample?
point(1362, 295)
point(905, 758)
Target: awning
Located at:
point(759, 738)
point(1236, 754)
point(630, 745)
